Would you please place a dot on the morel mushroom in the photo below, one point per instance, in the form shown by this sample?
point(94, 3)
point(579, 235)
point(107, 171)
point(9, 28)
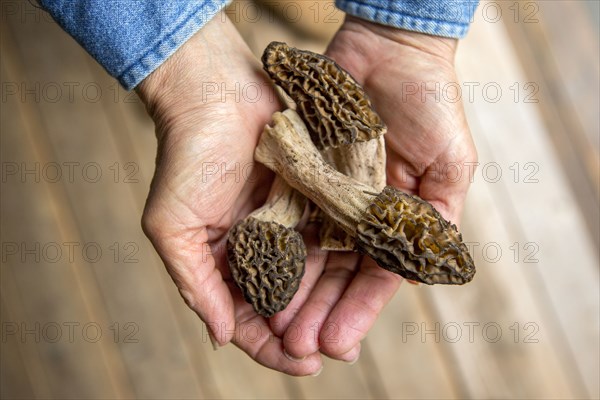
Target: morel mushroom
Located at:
point(338, 112)
point(402, 233)
point(266, 255)
point(333, 105)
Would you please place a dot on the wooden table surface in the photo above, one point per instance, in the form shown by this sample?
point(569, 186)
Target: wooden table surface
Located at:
point(88, 311)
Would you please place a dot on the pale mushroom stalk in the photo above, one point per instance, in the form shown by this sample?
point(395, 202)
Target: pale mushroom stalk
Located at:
point(284, 205)
point(403, 233)
point(363, 161)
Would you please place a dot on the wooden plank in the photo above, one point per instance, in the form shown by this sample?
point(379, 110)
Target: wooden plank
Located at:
point(316, 19)
point(478, 322)
point(32, 217)
point(11, 143)
point(266, 26)
point(548, 214)
point(339, 380)
point(410, 367)
point(568, 85)
point(517, 212)
point(15, 377)
point(574, 49)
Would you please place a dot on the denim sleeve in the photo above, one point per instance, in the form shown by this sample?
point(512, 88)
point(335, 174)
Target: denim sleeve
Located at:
point(449, 18)
point(131, 38)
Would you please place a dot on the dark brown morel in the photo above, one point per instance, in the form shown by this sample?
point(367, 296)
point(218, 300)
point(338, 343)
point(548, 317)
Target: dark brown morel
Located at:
point(266, 260)
point(409, 237)
point(333, 105)
point(341, 119)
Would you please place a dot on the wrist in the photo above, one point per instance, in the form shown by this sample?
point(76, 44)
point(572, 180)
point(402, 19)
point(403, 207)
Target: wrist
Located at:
point(382, 36)
point(178, 86)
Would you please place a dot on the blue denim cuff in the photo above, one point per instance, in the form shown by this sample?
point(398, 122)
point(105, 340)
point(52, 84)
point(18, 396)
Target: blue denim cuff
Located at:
point(449, 18)
point(131, 38)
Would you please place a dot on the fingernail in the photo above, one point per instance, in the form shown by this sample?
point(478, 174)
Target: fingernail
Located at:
point(290, 357)
point(318, 372)
point(213, 341)
point(353, 361)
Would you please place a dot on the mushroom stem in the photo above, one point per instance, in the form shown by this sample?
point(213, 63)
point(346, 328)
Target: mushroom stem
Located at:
point(287, 149)
point(284, 205)
point(363, 161)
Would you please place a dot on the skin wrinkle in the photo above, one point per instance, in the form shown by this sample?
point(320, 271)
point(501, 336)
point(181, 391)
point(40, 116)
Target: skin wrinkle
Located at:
point(300, 348)
point(164, 238)
point(174, 186)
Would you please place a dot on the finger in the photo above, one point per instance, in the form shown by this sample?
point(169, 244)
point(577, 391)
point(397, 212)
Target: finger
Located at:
point(315, 262)
point(358, 308)
point(253, 335)
point(302, 336)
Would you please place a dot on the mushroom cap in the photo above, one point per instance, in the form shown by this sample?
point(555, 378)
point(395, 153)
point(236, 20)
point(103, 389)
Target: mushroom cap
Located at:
point(407, 235)
point(332, 104)
point(266, 260)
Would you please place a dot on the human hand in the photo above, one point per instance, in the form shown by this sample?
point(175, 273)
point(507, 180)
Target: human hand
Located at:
point(430, 153)
point(206, 180)
point(411, 80)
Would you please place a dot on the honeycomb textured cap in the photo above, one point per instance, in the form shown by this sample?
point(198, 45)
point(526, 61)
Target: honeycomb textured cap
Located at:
point(266, 260)
point(407, 235)
point(332, 104)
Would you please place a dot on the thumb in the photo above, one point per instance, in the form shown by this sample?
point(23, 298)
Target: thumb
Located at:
point(204, 290)
point(445, 185)
point(191, 263)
